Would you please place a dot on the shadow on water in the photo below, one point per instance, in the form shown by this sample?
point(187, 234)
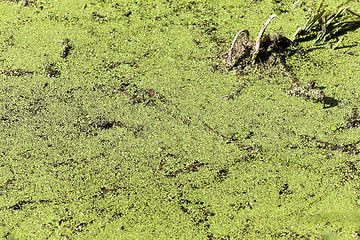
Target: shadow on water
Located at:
point(330, 102)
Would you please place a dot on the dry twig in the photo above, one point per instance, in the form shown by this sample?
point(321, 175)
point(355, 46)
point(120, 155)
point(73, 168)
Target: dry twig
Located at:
point(261, 33)
point(246, 32)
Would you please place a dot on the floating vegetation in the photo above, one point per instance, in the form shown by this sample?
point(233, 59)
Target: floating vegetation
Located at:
point(348, 148)
point(52, 70)
point(16, 72)
point(137, 95)
point(307, 90)
point(352, 119)
point(107, 124)
point(67, 47)
point(324, 25)
point(191, 168)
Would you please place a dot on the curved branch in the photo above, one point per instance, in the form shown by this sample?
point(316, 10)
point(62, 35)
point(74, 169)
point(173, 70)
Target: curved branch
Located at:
point(261, 33)
point(234, 41)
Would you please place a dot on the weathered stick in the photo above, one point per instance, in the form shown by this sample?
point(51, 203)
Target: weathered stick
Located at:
point(234, 41)
point(261, 33)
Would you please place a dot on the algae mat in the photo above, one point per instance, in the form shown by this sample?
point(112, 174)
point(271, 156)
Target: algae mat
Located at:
point(117, 124)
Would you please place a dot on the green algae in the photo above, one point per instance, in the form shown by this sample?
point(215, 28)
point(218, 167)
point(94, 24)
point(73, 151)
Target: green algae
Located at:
point(133, 138)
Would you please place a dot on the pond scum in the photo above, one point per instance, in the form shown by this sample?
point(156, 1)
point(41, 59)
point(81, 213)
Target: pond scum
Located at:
point(124, 136)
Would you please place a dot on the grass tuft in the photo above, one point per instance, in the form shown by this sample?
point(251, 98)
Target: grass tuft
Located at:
point(324, 25)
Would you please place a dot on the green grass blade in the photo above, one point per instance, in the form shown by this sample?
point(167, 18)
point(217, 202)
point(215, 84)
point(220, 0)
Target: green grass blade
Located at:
point(353, 13)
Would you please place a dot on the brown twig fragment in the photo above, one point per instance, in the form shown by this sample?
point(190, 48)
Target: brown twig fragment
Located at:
point(261, 33)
